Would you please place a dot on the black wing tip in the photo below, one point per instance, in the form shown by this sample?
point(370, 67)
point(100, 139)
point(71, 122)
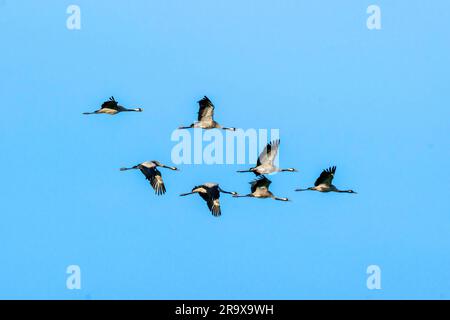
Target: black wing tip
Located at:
point(260, 181)
point(214, 207)
point(216, 212)
point(274, 142)
point(158, 186)
point(331, 169)
point(260, 178)
point(204, 99)
point(159, 191)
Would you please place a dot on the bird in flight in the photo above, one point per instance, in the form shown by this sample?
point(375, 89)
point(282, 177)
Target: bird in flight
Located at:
point(206, 117)
point(210, 192)
point(324, 182)
point(265, 164)
point(260, 189)
point(111, 107)
point(152, 174)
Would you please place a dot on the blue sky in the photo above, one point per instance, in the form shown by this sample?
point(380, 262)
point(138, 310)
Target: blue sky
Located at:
point(372, 102)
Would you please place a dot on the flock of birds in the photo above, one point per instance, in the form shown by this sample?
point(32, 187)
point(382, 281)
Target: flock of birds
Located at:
point(210, 192)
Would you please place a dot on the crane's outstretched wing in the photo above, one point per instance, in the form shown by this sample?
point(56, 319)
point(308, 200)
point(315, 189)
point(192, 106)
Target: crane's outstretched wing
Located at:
point(326, 177)
point(214, 207)
point(206, 110)
point(269, 153)
point(261, 182)
point(110, 104)
point(154, 176)
point(212, 199)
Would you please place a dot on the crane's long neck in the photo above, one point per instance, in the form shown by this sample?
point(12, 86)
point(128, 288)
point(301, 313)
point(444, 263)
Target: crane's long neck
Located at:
point(279, 199)
point(169, 167)
point(288, 169)
point(188, 193)
point(344, 191)
point(228, 192)
point(134, 110)
point(188, 127)
point(307, 189)
point(243, 195)
point(228, 128)
point(249, 170)
point(131, 168)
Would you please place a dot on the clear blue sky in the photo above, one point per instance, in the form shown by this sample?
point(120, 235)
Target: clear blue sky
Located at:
point(373, 103)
